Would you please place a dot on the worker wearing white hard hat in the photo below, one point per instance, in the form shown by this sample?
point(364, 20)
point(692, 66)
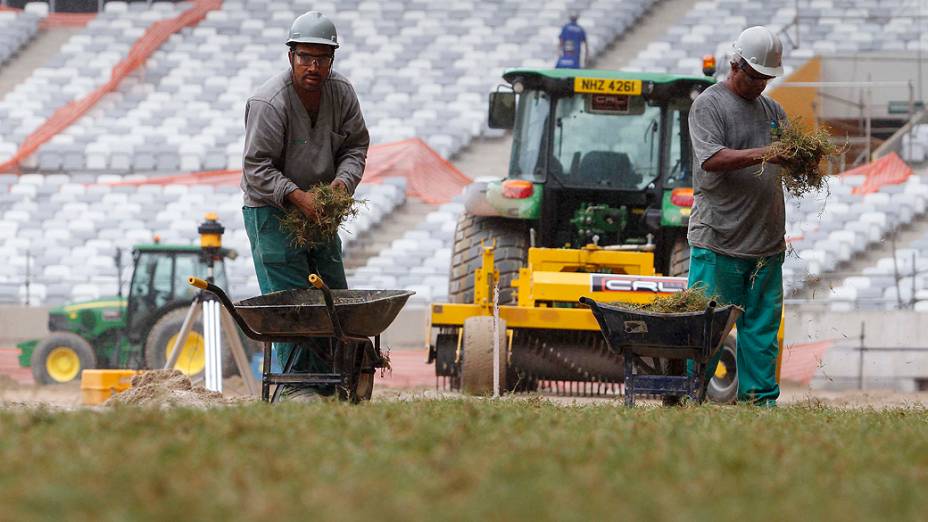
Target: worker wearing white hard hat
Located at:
point(737, 227)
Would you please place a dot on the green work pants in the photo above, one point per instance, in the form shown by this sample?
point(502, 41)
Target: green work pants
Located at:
point(281, 266)
point(757, 286)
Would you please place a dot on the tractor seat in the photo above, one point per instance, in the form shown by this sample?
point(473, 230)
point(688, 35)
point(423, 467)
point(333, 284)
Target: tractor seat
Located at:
point(610, 169)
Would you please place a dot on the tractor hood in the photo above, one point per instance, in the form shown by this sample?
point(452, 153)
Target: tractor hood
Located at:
point(87, 315)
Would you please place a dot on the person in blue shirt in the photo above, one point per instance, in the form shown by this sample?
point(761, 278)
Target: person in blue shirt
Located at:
point(573, 37)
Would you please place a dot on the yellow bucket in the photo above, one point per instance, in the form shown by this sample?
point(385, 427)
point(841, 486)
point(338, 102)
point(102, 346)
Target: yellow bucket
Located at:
point(99, 385)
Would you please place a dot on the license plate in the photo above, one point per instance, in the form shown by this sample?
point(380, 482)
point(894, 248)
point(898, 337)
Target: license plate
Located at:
point(601, 86)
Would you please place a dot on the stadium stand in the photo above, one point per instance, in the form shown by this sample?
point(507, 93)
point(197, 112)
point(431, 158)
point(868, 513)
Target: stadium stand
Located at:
point(185, 107)
point(183, 111)
point(56, 227)
point(16, 30)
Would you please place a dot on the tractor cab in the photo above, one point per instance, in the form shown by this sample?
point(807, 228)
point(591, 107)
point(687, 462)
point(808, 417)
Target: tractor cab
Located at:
point(597, 157)
point(159, 282)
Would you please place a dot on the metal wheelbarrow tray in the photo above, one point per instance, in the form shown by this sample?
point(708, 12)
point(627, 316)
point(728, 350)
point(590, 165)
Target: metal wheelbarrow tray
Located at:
point(347, 319)
point(303, 313)
point(668, 340)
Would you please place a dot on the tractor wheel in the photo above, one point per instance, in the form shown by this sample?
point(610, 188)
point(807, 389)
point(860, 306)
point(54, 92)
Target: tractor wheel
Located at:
point(723, 388)
point(511, 236)
point(160, 343)
point(680, 258)
point(61, 357)
point(477, 356)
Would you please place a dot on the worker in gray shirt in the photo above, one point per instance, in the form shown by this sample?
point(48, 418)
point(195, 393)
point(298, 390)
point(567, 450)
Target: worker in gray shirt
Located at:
point(303, 127)
point(737, 228)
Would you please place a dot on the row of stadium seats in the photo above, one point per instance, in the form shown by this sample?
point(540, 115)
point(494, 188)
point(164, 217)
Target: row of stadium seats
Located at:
point(826, 27)
point(418, 261)
point(420, 69)
point(16, 30)
point(82, 64)
point(62, 234)
point(826, 237)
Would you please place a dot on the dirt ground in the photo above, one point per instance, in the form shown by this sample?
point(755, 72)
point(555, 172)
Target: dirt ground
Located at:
point(67, 396)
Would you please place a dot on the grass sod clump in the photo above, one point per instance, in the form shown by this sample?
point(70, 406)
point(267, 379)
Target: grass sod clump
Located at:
point(334, 207)
point(803, 151)
point(690, 300)
point(464, 460)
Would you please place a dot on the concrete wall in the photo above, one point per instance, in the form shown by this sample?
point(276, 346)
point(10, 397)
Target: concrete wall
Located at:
point(18, 323)
point(883, 366)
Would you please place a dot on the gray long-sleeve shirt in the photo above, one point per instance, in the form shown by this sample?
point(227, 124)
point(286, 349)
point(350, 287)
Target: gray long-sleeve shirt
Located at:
point(285, 151)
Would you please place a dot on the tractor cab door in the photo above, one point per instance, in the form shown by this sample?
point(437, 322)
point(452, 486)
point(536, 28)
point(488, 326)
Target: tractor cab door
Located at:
point(160, 282)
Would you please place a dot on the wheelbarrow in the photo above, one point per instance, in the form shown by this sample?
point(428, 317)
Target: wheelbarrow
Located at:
point(668, 340)
point(345, 320)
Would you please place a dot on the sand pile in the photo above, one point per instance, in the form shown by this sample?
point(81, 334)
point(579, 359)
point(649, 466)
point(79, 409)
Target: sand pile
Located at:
point(166, 388)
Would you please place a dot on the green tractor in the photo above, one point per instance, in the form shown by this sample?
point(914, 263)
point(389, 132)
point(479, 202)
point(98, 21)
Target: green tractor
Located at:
point(599, 157)
point(138, 331)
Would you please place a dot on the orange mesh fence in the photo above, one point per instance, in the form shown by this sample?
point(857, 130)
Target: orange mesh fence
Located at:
point(428, 176)
point(800, 361)
point(147, 44)
point(888, 170)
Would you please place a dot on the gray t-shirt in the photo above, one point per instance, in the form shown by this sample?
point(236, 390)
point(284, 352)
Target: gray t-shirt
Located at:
point(285, 151)
point(739, 213)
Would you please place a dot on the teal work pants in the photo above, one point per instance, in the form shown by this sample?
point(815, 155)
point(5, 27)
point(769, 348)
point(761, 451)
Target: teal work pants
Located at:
point(757, 286)
point(281, 266)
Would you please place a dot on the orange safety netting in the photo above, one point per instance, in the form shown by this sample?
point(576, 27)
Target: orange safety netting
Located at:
point(888, 170)
point(800, 361)
point(148, 43)
point(429, 177)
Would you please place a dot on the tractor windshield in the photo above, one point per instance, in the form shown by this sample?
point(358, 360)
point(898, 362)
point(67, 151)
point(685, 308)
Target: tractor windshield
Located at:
point(606, 141)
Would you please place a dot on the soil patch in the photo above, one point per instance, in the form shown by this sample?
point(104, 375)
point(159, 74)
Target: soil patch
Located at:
point(165, 389)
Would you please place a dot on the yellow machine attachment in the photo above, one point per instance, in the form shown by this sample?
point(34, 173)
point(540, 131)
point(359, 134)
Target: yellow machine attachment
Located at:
point(550, 338)
point(552, 282)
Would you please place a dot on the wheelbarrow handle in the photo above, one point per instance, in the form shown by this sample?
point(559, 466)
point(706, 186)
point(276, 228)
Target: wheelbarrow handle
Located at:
point(202, 284)
point(317, 282)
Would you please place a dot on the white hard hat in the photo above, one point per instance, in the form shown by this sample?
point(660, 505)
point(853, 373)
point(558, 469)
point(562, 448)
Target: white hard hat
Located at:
point(761, 49)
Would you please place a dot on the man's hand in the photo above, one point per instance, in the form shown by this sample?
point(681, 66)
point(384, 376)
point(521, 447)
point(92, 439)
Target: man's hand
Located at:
point(305, 202)
point(337, 183)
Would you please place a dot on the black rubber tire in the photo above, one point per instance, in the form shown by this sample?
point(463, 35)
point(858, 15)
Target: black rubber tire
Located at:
point(477, 356)
point(725, 391)
point(166, 327)
point(80, 346)
point(511, 236)
point(680, 258)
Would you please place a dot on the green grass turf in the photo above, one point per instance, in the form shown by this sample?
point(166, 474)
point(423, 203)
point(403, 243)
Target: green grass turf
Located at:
point(464, 460)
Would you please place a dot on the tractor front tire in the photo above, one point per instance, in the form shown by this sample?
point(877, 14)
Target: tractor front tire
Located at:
point(192, 362)
point(477, 356)
point(61, 357)
point(510, 253)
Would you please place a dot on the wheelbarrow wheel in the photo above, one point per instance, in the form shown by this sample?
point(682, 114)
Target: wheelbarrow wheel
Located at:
point(477, 356)
point(723, 387)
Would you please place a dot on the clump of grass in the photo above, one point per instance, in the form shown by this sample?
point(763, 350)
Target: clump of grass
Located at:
point(690, 300)
point(803, 151)
point(333, 207)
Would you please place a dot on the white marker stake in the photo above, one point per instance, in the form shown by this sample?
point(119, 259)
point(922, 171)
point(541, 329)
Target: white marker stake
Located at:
point(496, 340)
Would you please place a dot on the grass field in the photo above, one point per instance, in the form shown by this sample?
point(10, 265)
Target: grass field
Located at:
point(464, 460)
